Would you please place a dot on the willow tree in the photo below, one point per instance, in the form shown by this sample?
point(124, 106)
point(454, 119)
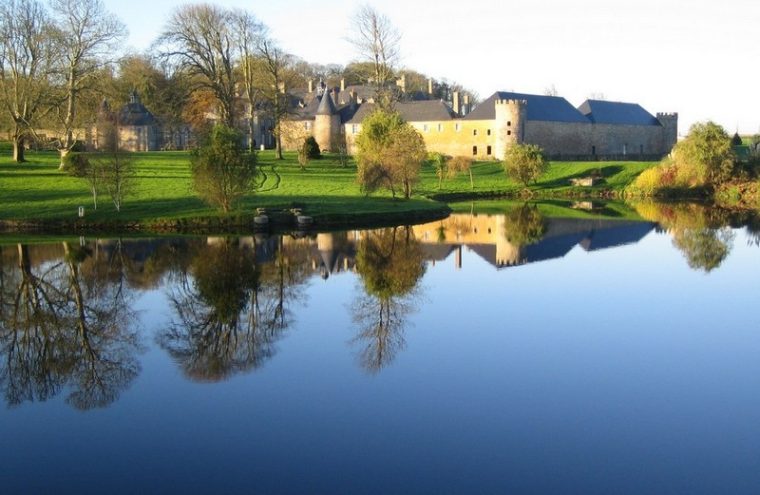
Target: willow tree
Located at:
point(88, 37)
point(27, 67)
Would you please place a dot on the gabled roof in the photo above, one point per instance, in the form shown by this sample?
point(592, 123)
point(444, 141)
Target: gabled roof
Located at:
point(613, 112)
point(540, 107)
point(410, 111)
point(326, 105)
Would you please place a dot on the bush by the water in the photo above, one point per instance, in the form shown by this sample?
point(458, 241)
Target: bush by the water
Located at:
point(705, 158)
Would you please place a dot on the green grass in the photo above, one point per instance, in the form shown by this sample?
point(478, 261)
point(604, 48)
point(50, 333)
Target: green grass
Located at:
point(37, 191)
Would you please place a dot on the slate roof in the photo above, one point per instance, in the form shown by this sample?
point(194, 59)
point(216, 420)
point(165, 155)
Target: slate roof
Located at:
point(326, 105)
point(411, 111)
point(135, 113)
point(613, 112)
point(540, 108)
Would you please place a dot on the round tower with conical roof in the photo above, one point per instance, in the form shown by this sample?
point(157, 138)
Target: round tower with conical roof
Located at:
point(326, 123)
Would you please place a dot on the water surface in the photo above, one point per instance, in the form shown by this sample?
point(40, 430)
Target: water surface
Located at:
point(487, 353)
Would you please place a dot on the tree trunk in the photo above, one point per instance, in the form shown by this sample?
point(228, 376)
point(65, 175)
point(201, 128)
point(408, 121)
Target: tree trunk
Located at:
point(63, 151)
point(278, 145)
point(18, 149)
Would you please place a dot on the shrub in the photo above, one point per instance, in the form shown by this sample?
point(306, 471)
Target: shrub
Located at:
point(76, 164)
point(525, 163)
point(311, 148)
point(222, 171)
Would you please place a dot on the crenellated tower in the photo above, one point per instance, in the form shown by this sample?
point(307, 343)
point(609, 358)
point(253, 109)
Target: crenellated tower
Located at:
point(669, 123)
point(510, 125)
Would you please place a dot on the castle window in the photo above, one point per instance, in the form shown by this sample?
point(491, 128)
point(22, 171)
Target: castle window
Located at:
point(474, 151)
point(457, 127)
point(354, 128)
point(488, 132)
point(509, 123)
point(509, 133)
point(440, 127)
point(488, 151)
point(474, 132)
point(425, 127)
point(306, 125)
point(593, 150)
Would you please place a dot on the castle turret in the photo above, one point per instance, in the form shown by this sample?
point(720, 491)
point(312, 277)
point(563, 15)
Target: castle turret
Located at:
point(510, 125)
point(669, 123)
point(326, 123)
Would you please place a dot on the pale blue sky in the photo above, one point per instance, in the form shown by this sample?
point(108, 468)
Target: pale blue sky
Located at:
point(699, 58)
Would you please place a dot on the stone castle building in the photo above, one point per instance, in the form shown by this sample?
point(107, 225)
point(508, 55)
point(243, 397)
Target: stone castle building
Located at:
point(595, 130)
point(134, 128)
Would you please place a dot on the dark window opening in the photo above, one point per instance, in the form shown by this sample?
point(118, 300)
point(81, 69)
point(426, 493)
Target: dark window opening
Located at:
point(488, 151)
point(474, 150)
point(474, 132)
point(509, 123)
point(509, 133)
point(593, 150)
point(641, 149)
point(488, 132)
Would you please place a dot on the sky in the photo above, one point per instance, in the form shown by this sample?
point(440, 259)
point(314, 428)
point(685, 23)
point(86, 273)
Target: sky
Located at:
point(695, 57)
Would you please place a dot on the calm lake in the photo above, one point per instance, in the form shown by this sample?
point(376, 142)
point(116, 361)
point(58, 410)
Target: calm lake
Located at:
point(597, 351)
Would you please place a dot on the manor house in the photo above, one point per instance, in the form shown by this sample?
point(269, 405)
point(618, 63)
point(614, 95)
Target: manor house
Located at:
point(594, 130)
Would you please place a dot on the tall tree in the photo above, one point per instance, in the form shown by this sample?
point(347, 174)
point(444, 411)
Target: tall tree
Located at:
point(88, 37)
point(199, 39)
point(27, 57)
point(376, 40)
point(248, 32)
point(275, 65)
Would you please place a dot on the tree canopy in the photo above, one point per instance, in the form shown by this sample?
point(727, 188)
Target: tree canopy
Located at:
point(390, 153)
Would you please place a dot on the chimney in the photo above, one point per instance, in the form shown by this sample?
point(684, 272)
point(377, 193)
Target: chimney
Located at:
point(455, 103)
point(311, 86)
point(430, 86)
point(342, 84)
point(466, 106)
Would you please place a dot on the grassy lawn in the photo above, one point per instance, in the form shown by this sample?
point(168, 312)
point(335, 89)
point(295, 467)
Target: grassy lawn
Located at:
point(36, 190)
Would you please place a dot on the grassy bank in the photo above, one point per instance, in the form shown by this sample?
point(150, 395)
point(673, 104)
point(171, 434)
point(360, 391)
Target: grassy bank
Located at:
point(37, 193)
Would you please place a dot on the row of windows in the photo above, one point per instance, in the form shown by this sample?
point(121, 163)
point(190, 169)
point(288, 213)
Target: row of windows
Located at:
point(475, 151)
point(426, 128)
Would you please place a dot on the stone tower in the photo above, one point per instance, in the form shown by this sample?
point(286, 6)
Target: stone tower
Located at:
point(510, 125)
point(327, 123)
point(669, 123)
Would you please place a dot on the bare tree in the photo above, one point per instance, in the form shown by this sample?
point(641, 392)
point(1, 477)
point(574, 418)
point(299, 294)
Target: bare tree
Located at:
point(275, 73)
point(376, 40)
point(88, 36)
point(26, 67)
point(248, 32)
point(199, 39)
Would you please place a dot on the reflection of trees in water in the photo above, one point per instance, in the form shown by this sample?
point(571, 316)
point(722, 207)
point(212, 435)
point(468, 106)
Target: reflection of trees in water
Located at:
point(391, 264)
point(704, 249)
point(230, 311)
point(524, 225)
point(753, 229)
point(64, 326)
point(703, 234)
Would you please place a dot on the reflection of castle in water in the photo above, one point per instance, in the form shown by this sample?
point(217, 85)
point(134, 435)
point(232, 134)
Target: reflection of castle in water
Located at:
point(332, 253)
point(485, 235)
